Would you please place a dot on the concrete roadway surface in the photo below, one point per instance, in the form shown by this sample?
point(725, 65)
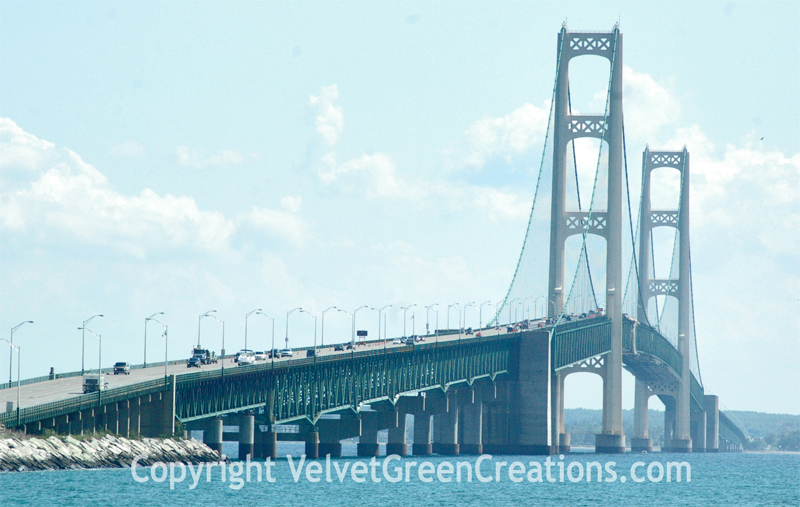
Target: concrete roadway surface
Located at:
point(60, 389)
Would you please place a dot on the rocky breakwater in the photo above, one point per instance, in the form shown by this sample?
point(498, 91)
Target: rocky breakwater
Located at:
point(56, 453)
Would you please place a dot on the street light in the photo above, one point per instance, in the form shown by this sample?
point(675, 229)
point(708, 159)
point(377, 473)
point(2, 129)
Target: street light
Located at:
point(480, 314)
point(405, 309)
point(354, 324)
point(287, 324)
point(145, 335)
point(526, 309)
point(12, 344)
point(315, 331)
point(11, 353)
point(166, 340)
point(257, 310)
point(427, 311)
point(207, 314)
point(222, 359)
point(510, 304)
point(99, 348)
point(83, 340)
point(472, 304)
point(448, 314)
point(380, 311)
point(322, 345)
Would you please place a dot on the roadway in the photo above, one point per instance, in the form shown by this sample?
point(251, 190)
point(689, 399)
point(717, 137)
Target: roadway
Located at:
point(60, 389)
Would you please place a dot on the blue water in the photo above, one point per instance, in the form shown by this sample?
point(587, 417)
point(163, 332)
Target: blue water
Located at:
point(717, 479)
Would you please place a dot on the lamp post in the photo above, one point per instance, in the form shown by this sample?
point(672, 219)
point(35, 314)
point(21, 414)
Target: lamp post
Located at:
point(526, 309)
point(427, 314)
point(207, 314)
point(315, 331)
point(510, 304)
point(354, 324)
point(148, 319)
point(165, 334)
point(380, 311)
point(11, 353)
point(480, 314)
point(83, 340)
point(99, 348)
point(257, 310)
point(12, 344)
point(323, 324)
point(405, 310)
point(472, 304)
point(287, 324)
point(448, 315)
point(222, 359)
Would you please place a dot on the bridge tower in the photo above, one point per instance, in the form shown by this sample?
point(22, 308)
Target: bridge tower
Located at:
point(680, 288)
point(607, 224)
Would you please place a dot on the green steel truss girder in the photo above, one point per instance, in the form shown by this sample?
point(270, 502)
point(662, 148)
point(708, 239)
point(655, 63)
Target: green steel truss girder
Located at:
point(307, 390)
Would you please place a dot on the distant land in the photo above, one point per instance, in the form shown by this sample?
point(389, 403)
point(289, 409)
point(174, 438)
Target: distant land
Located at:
point(766, 430)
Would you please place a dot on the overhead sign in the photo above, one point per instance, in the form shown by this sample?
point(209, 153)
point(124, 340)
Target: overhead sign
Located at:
point(361, 333)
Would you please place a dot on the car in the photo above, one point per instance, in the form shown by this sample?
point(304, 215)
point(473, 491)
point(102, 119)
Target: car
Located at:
point(410, 340)
point(349, 346)
point(287, 353)
point(246, 359)
point(468, 331)
point(194, 362)
point(509, 329)
point(274, 353)
point(260, 355)
point(338, 347)
point(122, 368)
point(397, 341)
point(419, 338)
point(241, 353)
point(311, 353)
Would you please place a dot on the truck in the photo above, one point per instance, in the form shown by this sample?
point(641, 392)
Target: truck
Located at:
point(207, 356)
point(94, 382)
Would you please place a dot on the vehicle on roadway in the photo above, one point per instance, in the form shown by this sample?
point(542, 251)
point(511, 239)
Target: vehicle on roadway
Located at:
point(468, 331)
point(338, 347)
point(195, 361)
point(122, 368)
point(241, 353)
point(287, 353)
point(208, 356)
point(246, 359)
point(274, 353)
point(260, 355)
point(94, 382)
point(311, 353)
point(397, 341)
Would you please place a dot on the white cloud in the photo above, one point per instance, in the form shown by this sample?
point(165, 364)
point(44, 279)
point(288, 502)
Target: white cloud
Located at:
point(508, 136)
point(499, 205)
point(292, 203)
point(73, 198)
point(375, 175)
point(280, 223)
point(128, 149)
point(195, 160)
point(329, 118)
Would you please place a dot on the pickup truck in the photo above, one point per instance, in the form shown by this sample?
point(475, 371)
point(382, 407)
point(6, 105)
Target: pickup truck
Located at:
point(122, 368)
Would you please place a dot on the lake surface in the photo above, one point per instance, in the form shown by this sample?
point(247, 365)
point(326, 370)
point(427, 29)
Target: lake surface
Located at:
point(716, 479)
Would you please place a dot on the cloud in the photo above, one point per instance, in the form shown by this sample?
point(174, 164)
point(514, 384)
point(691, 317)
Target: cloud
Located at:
point(196, 160)
point(72, 198)
point(283, 224)
point(508, 136)
point(329, 119)
point(128, 149)
point(292, 203)
point(374, 175)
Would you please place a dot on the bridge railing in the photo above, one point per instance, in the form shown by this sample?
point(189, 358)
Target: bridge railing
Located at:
point(576, 341)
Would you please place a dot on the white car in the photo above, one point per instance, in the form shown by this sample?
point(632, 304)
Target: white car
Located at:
point(261, 355)
point(397, 341)
point(246, 359)
point(287, 353)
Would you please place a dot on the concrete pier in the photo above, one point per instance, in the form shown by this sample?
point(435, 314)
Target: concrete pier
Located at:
point(422, 435)
point(445, 429)
point(472, 427)
point(212, 435)
point(397, 437)
point(246, 436)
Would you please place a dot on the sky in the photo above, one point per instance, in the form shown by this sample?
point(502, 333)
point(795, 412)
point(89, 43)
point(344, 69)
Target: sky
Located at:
point(181, 157)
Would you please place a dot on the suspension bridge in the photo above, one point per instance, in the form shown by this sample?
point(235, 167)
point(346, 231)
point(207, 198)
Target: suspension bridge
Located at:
point(501, 390)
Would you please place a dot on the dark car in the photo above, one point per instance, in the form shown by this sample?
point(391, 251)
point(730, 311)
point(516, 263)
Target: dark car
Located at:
point(509, 329)
point(194, 361)
point(468, 331)
point(311, 353)
point(338, 347)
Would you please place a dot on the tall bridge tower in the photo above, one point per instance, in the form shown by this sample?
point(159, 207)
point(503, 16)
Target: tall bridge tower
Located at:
point(607, 224)
point(679, 288)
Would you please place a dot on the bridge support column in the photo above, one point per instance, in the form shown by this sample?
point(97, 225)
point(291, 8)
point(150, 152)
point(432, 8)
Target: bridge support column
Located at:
point(332, 431)
point(75, 423)
point(669, 425)
point(699, 431)
point(472, 427)
point(711, 404)
point(496, 418)
point(62, 424)
point(397, 437)
point(530, 398)
point(265, 444)
point(560, 438)
point(312, 445)
point(246, 436)
point(368, 441)
point(641, 438)
point(124, 417)
point(445, 429)
point(212, 435)
point(422, 435)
